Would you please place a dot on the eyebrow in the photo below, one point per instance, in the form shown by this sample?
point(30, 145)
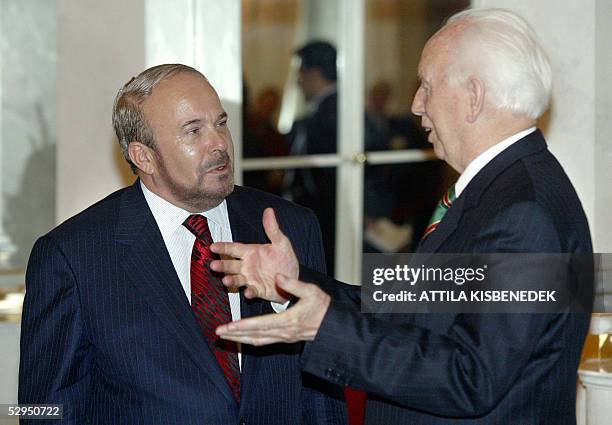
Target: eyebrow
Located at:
point(194, 121)
point(221, 116)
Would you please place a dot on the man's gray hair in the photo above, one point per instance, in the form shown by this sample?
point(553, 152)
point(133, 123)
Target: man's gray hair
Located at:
point(129, 121)
point(514, 65)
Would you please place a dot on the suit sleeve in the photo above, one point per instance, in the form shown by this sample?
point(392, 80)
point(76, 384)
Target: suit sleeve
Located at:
point(55, 356)
point(322, 403)
point(463, 372)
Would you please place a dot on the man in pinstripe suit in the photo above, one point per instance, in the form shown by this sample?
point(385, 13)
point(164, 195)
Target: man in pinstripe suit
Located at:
point(484, 82)
point(108, 331)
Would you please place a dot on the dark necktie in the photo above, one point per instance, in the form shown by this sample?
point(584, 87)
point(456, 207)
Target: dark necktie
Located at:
point(441, 209)
point(210, 302)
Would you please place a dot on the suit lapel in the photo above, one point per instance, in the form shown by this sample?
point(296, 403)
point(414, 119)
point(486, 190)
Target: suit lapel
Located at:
point(149, 267)
point(528, 145)
point(470, 197)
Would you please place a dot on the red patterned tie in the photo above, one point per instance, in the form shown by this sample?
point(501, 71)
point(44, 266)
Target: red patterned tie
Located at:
point(210, 302)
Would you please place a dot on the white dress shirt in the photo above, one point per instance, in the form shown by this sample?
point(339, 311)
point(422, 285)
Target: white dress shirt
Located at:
point(484, 158)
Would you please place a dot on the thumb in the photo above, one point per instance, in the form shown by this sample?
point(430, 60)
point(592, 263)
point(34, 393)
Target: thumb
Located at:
point(271, 227)
point(294, 287)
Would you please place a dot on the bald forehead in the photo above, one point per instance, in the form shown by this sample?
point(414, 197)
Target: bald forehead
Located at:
point(185, 90)
point(185, 81)
point(446, 40)
point(446, 48)
point(182, 98)
point(434, 55)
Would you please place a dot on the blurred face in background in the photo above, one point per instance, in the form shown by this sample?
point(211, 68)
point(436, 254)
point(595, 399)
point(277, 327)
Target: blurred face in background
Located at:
point(309, 82)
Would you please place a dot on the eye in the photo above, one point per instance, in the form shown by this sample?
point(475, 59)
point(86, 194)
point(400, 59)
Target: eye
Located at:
point(223, 123)
point(193, 131)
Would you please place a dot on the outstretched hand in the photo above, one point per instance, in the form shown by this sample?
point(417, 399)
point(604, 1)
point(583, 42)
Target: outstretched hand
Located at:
point(301, 322)
point(256, 265)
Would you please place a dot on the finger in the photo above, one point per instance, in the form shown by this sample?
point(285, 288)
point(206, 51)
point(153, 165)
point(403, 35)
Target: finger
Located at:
point(251, 292)
point(271, 227)
point(265, 340)
point(256, 341)
point(294, 287)
point(278, 335)
point(233, 249)
point(266, 322)
point(285, 334)
point(234, 281)
point(226, 266)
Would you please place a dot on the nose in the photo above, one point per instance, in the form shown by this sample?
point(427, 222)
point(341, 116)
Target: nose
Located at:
point(218, 140)
point(418, 105)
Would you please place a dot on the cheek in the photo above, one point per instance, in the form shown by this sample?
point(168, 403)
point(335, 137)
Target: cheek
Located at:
point(430, 108)
point(185, 163)
point(190, 153)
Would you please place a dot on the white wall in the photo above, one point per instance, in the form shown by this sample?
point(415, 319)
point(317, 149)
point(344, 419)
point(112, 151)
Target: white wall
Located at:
point(9, 359)
point(101, 45)
point(603, 126)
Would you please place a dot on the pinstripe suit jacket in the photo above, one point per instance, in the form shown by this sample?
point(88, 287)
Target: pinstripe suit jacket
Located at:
point(108, 332)
point(503, 369)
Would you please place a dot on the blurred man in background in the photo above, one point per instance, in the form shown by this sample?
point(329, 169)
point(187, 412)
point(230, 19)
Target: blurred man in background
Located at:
point(316, 133)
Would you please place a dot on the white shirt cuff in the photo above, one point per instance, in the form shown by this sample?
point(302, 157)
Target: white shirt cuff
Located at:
point(278, 307)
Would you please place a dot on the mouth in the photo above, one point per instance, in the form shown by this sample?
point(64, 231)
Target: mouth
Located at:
point(428, 133)
point(219, 168)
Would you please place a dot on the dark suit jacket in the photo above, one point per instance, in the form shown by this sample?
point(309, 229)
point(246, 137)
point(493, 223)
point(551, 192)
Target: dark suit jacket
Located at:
point(108, 332)
point(322, 127)
point(470, 368)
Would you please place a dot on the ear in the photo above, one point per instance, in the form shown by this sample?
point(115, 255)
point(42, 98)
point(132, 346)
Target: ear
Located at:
point(142, 157)
point(476, 94)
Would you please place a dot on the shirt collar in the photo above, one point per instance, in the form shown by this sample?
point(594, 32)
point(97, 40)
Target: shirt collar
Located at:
point(484, 158)
point(169, 217)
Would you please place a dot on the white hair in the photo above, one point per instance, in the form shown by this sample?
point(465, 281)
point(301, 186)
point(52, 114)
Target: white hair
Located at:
point(511, 61)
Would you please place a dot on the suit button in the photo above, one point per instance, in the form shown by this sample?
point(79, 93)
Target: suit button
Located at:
point(332, 374)
point(242, 422)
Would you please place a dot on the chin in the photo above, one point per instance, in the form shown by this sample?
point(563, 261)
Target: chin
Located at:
point(226, 191)
point(439, 152)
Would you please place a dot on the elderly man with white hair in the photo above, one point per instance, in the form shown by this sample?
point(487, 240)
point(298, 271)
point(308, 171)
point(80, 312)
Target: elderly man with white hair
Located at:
point(485, 80)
